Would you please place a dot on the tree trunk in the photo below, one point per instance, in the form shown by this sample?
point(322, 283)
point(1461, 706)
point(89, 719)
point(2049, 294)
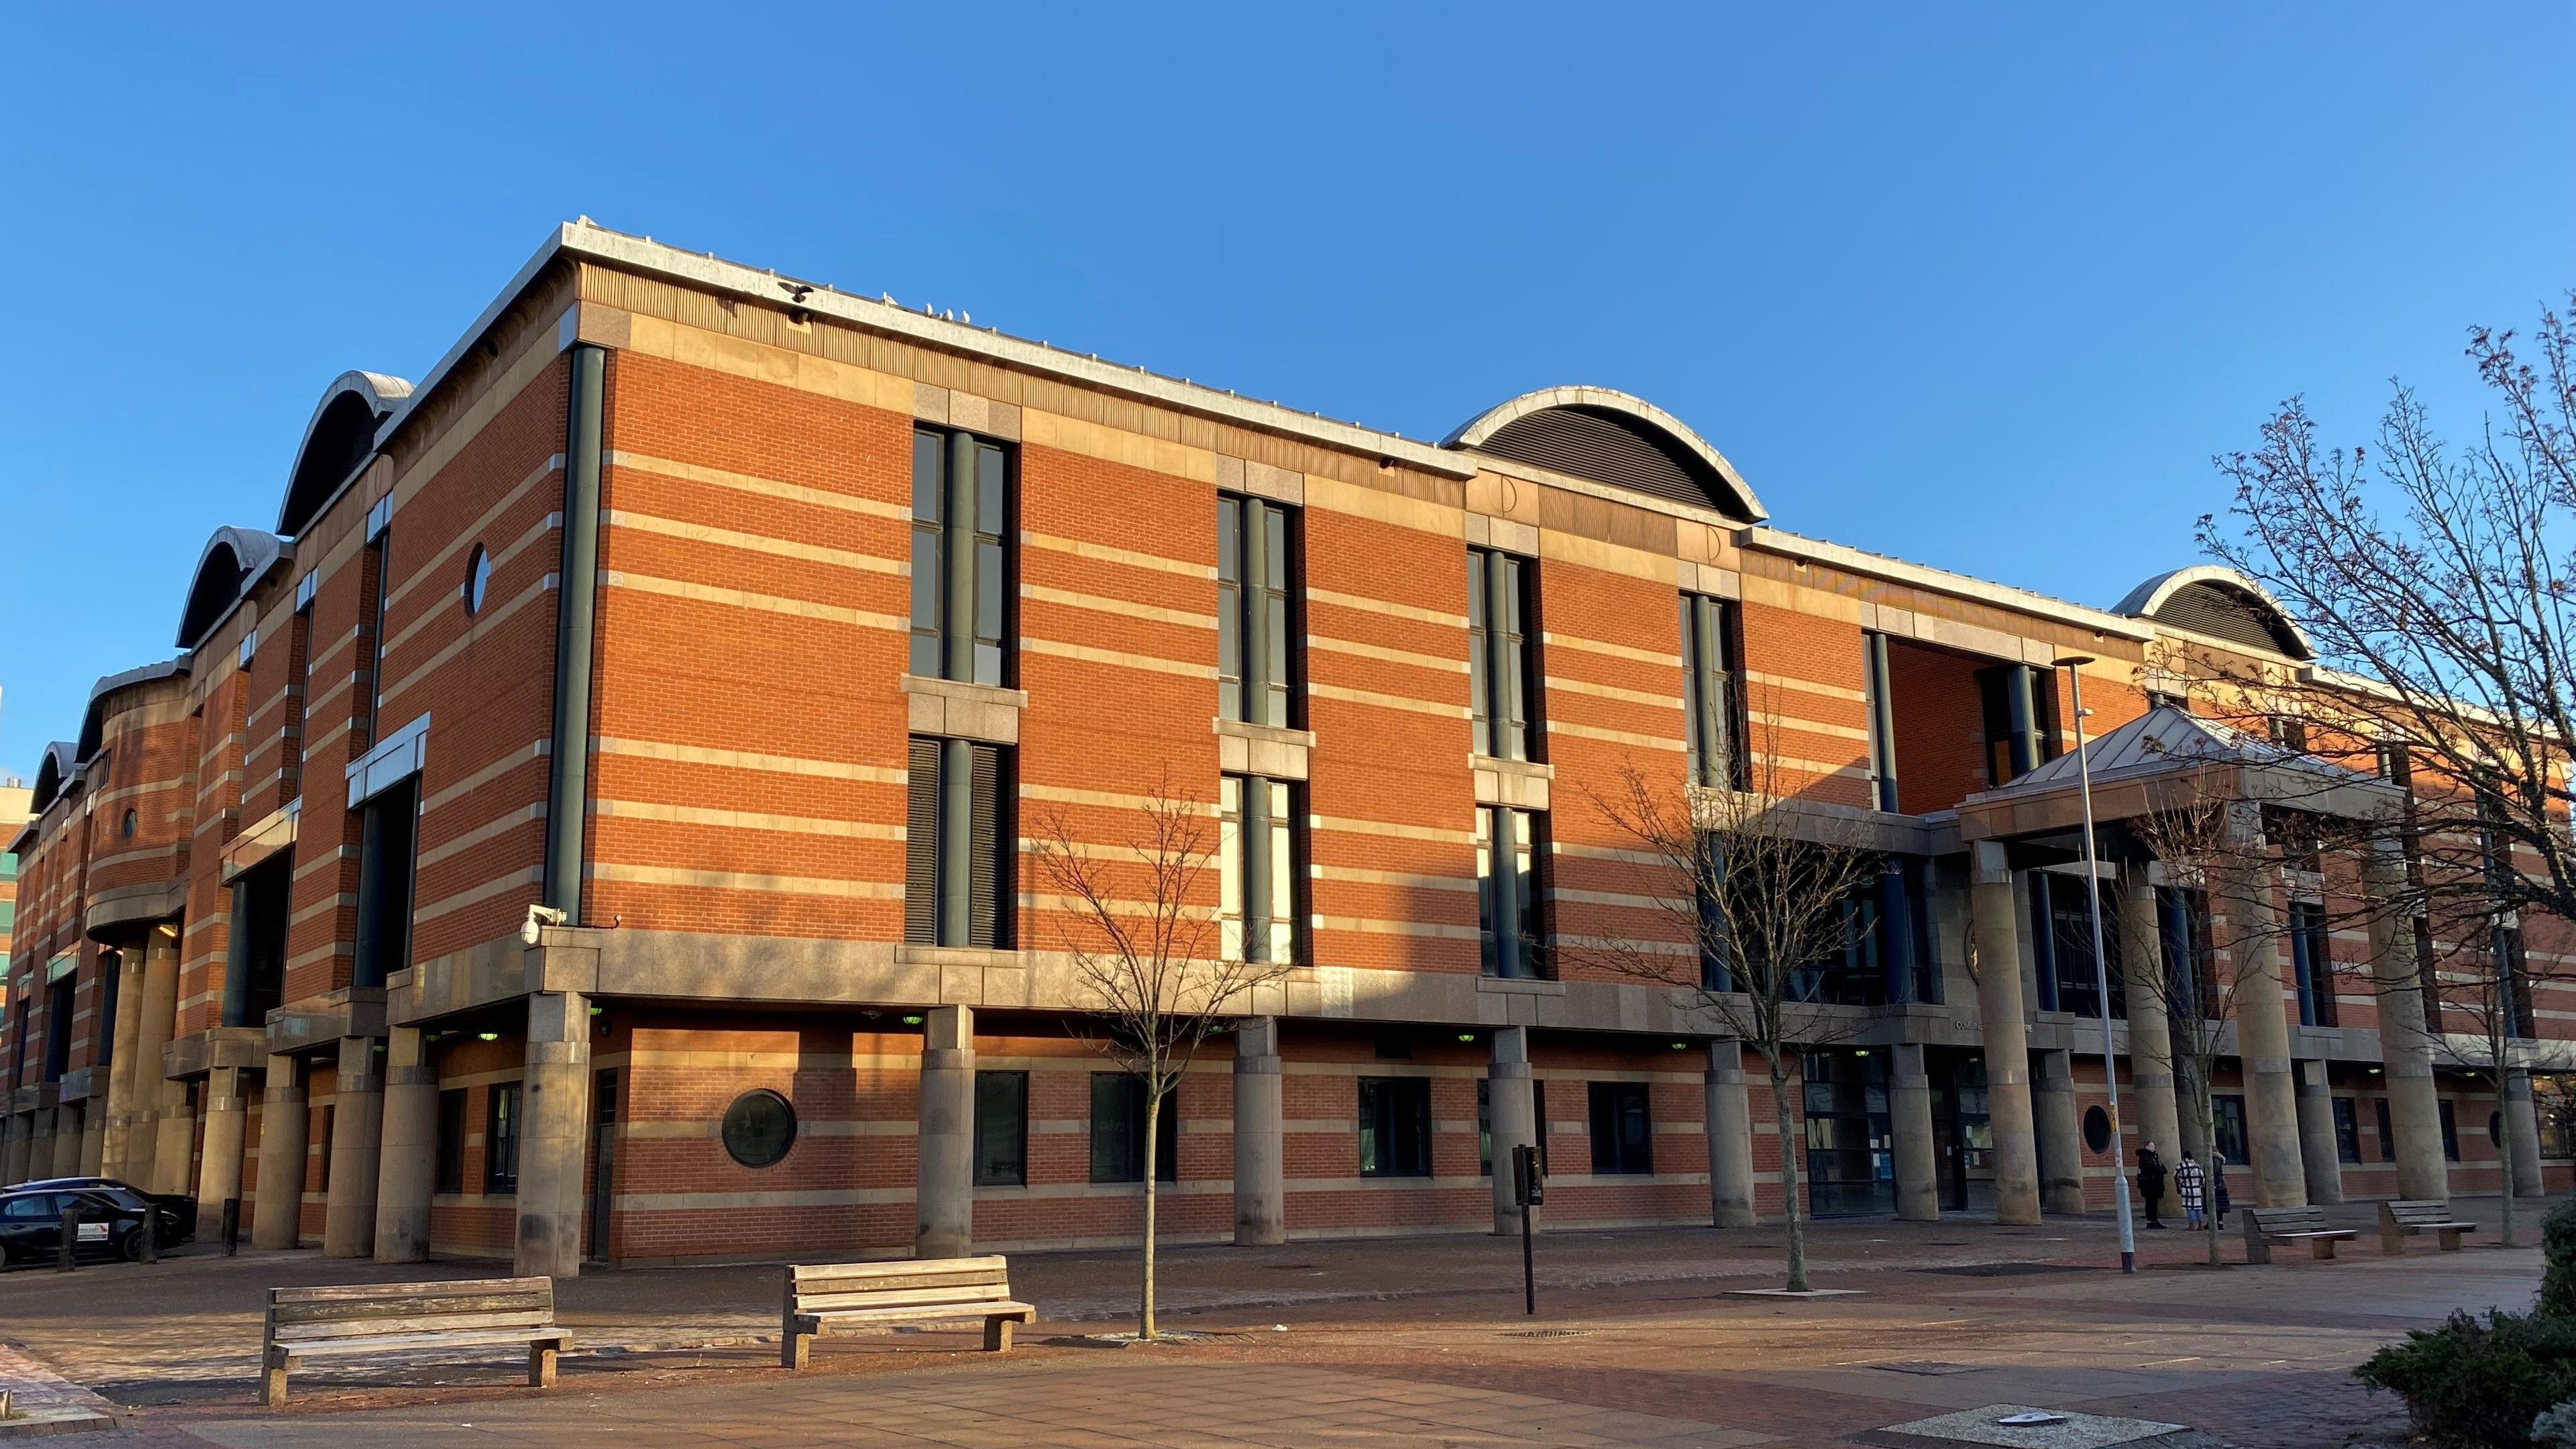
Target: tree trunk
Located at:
point(1788, 1172)
point(2208, 1170)
point(1153, 1122)
point(2504, 1139)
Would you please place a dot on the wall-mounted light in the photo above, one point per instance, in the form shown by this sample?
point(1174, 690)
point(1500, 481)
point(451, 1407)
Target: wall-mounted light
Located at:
point(487, 1036)
point(1466, 1036)
point(914, 1020)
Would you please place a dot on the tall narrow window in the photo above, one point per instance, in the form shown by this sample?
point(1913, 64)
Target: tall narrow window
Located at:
point(1395, 1126)
point(1259, 868)
point(2312, 963)
point(378, 578)
point(960, 569)
point(2387, 1134)
point(58, 1026)
point(1118, 1131)
point(2347, 1123)
point(501, 1140)
point(1001, 1129)
point(299, 685)
point(1711, 696)
point(1508, 855)
point(1502, 665)
point(2191, 965)
point(2020, 708)
point(2450, 1133)
point(2514, 983)
point(449, 1174)
point(955, 872)
point(1882, 720)
point(1256, 611)
point(111, 983)
point(388, 829)
point(1623, 1130)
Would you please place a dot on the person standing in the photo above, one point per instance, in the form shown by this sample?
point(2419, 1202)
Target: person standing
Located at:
point(2218, 1184)
point(2151, 1184)
point(2187, 1186)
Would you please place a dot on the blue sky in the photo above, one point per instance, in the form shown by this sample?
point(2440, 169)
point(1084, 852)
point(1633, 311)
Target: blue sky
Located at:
point(1983, 288)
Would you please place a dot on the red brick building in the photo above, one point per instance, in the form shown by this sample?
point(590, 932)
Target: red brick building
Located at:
point(593, 822)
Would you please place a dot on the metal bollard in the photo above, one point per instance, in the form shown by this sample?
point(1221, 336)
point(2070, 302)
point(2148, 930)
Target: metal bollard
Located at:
point(71, 1236)
point(232, 1226)
point(148, 1246)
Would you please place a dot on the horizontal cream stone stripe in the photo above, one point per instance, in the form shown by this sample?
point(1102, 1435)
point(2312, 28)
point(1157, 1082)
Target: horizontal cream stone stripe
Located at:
point(1804, 686)
point(745, 820)
point(486, 775)
point(1616, 737)
point(756, 543)
point(1363, 925)
point(764, 487)
point(534, 810)
point(1387, 701)
point(1612, 691)
point(1615, 898)
point(747, 760)
point(1404, 879)
point(532, 875)
point(727, 880)
point(1101, 605)
point(647, 1202)
point(743, 599)
point(1392, 830)
point(1806, 726)
point(484, 623)
point(436, 571)
point(1615, 651)
point(1609, 852)
point(1107, 799)
point(805, 1127)
point(1812, 767)
point(1440, 662)
point(478, 625)
point(1107, 553)
point(1386, 607)
point(1614, 947)
point(1117, 659)
point(322, 907)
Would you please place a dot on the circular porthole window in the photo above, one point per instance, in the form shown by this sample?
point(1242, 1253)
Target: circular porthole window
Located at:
point(759, 1128)
point(2097, 1129)
point(478, 578)
point(125, 827)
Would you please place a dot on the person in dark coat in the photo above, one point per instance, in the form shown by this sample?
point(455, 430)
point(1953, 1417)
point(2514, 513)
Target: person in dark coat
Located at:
point(2218, 1184)
point(2151, 1184)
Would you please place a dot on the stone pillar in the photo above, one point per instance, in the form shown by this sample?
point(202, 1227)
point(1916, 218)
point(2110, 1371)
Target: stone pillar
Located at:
point(155, 1013)
point(2405, 1050)
point(2061, 1157)
point(14, 1135)
point(2522, 1126)
point(227, 1118)
point(93, 1143)
point(2151, 1075)
point(67, 1141)
point(115, 1155)
point(2263, 1047)
point(407, 1170)
point(2319, 1155)
point(40, 1145)
point(1730, 1138)
point(1995, 932)
point(554, 1133)
point(1512, 1112)
point(944, 1170)
point(357, 1136)
point(277, 1217)
point(1909, 1111)
point(1260, 1142)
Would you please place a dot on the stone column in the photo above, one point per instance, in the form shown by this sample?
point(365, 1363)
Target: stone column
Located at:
point(1730, 1138)
point(40, 1145)
point(1997, 937)
point(2522, 1124)
point(93, 1143)
point(2319, 1155)
point(67, 1141)
point(407, 1170)
point(2061, 1157)
point(14, 1135)
point(227, 1118)
point(2405, 1050)
point(1909, 1111)
point(1260, 1142)
point(1513, 1117)
point(554, 1134)
point(944, 1169)
point(155, 1013)
point(2142, 958)
point(357, 1135)
point(2263, 1047)
point(277, 1217)
point(115, 1155)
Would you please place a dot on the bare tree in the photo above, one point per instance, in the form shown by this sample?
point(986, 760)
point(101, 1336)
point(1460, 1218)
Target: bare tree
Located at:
point(2437, 586)
point(1754, 892)
point(1146, 941)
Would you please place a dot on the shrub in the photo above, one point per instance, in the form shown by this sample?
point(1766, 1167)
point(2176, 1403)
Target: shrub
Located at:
point(2558, 1245)
point(2479, 1385)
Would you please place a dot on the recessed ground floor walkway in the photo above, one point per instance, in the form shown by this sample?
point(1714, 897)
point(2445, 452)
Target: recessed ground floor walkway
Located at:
point(1420, 1342)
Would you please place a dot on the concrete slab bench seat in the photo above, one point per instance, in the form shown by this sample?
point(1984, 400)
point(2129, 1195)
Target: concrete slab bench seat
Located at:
point(2266, 1226)
point(822, 1297)
point(388, 1318)
point(2399, 1221)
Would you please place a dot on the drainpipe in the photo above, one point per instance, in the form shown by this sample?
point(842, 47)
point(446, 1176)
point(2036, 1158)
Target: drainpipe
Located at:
point(576, 621)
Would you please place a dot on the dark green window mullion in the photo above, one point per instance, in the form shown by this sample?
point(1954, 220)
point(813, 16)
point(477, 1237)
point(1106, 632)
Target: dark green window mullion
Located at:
point(1233, 679)
point(957, 548)
point(1882, 720)
point(956, 841)
point(1511, 657)
point(1258, 664)
point(1480, 672)
point(2025, 720)
point(1253, 831)
point(1706, 670)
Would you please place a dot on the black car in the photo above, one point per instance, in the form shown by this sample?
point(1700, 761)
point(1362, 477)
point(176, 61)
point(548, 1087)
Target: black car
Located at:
point(113, 1219)
point(180, 1206)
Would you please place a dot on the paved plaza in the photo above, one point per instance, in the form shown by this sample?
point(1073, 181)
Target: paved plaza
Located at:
point(1415, 1342)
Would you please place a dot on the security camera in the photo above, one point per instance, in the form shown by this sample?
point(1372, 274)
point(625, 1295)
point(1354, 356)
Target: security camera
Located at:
point(540, 917)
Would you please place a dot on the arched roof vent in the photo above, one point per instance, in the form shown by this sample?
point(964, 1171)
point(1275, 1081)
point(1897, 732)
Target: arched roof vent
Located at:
point(51, 772)
point(2221, 603)
point(1607, 436)
point(235, 559)
point(337, 442)
point(94, 719)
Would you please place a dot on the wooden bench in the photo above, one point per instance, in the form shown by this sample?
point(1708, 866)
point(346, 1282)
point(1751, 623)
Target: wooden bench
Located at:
point(823, 1297)
point(2266, 1226)
point(410, 1318)
point(2399, 1221)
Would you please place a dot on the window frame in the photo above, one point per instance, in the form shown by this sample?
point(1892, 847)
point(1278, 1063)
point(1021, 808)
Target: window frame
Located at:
point(503, 1108)
point(937, 845)
point(1504, 668)
point(1611, 1153)
point(448, 1138)
point(1386, 1107)
point(1713, 694)
point(1246, 598)
point(937, 539)
point(1130, 1122)
point(1531, 959)
point(1019, 1165)
point(1283, 846)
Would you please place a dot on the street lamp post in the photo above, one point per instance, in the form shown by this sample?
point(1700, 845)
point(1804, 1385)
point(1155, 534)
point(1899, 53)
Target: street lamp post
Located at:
point(2101, 971)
